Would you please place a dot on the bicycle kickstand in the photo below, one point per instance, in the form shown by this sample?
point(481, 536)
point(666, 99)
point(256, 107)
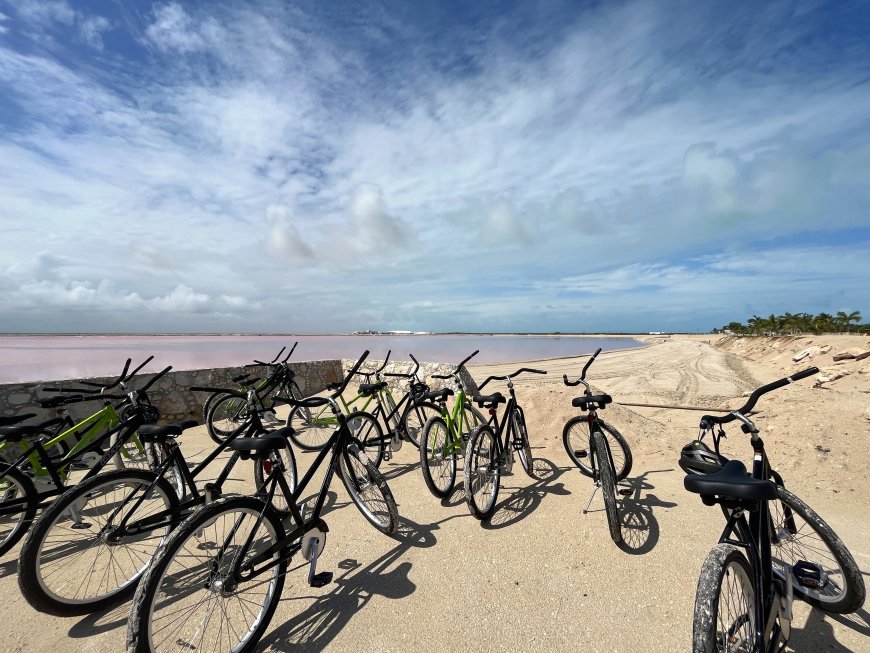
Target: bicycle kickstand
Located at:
point(315, 579)
point(586, 509)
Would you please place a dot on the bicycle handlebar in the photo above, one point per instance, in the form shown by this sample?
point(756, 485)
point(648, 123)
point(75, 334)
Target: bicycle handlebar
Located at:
point(510, 376)
point(583, 373)
point(458, 367)
point(410, 375)
point(154, 379)
point(754, 397)
point(292, 349)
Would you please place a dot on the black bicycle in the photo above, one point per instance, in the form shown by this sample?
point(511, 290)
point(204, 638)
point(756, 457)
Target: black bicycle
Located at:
point(215, 583)
point(774, 547)
point(588, 437)
point(43, 465)
point(88, 550)
point(490, 451)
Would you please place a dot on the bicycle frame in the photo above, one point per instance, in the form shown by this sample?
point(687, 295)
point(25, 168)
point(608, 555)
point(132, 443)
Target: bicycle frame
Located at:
point(337, 445)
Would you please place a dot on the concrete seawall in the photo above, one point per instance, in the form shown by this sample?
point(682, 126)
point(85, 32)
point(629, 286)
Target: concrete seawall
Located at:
point(173, 397)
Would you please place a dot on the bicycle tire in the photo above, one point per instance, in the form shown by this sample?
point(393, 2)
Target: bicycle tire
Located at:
point(16, 484)
point(415, 418)
point(521, 443)
point(438, 467)
point(791, 542)
point(279, 502)
point(725, 564)
point(206, 406)
point(149, 458)
point(226, 415)
point(368, 432)
point(482, 479)
point(311, 428)
point(608, 485)
point(575, 438)
point(99, 574)
point(202, 532)
point(368, 490)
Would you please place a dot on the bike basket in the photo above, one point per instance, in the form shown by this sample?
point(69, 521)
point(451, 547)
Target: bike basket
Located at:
point(697, 458)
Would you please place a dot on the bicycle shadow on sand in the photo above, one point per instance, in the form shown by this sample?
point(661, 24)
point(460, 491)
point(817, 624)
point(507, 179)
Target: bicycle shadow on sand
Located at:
point(525, 500)
point(353, 587)
point(640, 528)
point(817, 634)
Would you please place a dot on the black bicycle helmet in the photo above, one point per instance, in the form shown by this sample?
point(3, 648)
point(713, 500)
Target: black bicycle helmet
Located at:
point(697, 458)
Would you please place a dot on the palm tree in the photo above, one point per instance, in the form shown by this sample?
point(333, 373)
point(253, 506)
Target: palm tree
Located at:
point(823, 323)
point(847, 318)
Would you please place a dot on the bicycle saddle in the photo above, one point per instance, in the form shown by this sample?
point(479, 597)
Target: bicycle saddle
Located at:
point(273, 441)
point(160, 433)
point(731, 483)
point(583, 402)
point(367, 389)
point(9, 421)
point(494, 399)
point(438, 395)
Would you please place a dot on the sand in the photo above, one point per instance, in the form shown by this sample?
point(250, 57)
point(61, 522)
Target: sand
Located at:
point(542, 575)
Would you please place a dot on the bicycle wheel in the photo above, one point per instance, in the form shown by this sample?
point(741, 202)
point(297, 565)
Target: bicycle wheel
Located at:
point(724, 618)
point(368, 489)
point(415, 418)
point(438, 457)
point(209, 404)
point(368, 432)
point(608, 485)
point(135, 454)
point(482, 475)
point(187, 599)
point(800, 534)
point(312, 428)
point(263, 467)
point(227, 414)
point(521, 442)
point(69, 566)
point(575, 437)
point(18, 502)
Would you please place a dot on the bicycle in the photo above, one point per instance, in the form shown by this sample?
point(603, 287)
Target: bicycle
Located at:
point(489, 455)
point(108, 527)
point(445, 435)
point(37, 474)
point(224, 595)
point(225, 411)
point(401, 420)
point(745, 590)
point(589, 436)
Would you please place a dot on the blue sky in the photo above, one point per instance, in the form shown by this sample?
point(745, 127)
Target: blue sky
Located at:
point(334, 166)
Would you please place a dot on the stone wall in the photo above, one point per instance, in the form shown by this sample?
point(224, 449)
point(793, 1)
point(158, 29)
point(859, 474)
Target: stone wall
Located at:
point(173, 397)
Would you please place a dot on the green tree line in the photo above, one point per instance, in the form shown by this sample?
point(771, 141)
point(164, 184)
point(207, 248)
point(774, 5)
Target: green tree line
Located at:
point(799, 323)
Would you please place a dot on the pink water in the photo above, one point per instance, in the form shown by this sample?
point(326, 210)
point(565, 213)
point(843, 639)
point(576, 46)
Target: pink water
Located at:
point(41, 358)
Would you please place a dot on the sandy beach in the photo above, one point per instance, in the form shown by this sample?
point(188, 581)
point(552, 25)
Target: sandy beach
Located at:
point(543, 576)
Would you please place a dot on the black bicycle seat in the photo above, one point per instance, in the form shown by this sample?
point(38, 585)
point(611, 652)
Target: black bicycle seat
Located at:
point(438, 395)
point(14, 419)
point(367, 389)
point(732, 482)
point(583, 402)
point(493, 399)
point(272, 442)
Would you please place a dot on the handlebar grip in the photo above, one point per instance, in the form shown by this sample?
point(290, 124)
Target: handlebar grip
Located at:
point(350, 375)
point(133, 373)
point(488, 379)
point(155, 378)
point(569, 383)
point(529, 369)
point(278, 356)
point(386, 360)
point(810, 371)
point(259, 362)
point(589, 362)
point(458, 367)
point(442, 376)
point(404, 376)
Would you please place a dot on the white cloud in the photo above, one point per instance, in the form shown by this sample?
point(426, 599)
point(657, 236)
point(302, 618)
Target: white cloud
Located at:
point(91, 30)
point(174, 29)
point(46, 12)
point(284, 237)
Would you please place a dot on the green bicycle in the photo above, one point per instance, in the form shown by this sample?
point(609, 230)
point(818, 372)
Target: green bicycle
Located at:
point(445, 435)
point(223, 412)
point(42, 471)
point(402, 419)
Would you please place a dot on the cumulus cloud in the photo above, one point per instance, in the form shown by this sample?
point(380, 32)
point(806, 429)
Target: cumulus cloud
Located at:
point(374, 223)
point(284, 238)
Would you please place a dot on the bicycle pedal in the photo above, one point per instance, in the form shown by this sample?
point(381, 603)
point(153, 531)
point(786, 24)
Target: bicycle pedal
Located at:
point(81, 526)
point(581, 453)
point(809, 575)
point(321, 579)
